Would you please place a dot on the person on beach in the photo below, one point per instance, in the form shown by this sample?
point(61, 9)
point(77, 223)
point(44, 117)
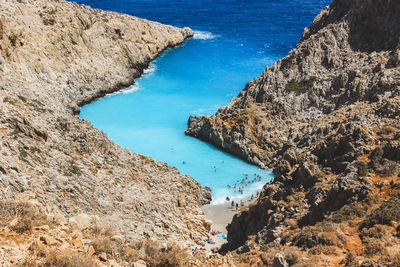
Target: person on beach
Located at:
point(227, 199)
point(232, 204)
point(237, 206)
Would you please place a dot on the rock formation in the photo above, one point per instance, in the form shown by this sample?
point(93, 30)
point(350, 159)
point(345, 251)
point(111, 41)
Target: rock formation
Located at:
point(54, 57)
point(326, 118)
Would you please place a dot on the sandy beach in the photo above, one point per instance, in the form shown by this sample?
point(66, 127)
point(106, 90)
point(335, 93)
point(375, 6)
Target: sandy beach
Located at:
point(220, 216)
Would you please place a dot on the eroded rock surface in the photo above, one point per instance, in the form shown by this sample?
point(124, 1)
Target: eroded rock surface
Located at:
point(326, 118)
point(54, 57)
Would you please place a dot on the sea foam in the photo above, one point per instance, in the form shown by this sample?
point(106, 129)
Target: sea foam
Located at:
point(202, 35)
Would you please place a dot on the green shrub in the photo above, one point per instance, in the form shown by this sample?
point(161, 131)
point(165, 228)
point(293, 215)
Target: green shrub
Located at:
point(23, 153)
point(375, 247)
point(9, 100)
point(300, 87)
point(387, 212)
point(13, 39)
point(348, 212)
point(309, 237)
point(362, 168)
point(22, 98)
point(50, 21)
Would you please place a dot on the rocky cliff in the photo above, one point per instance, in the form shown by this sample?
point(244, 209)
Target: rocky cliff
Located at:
point(326, 118)
point(54, 57)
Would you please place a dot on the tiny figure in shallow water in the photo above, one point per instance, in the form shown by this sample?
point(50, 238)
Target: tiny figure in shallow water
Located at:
point(183, 162)
point(227, 199)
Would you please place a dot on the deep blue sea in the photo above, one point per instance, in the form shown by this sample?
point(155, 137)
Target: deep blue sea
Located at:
point(234, 41)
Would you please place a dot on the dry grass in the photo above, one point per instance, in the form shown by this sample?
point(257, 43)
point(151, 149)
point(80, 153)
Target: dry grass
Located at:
point(103, 244)
point(375, 247)
point(59, 259)
point(155, 255)
point(21, 216)
point(386, 130)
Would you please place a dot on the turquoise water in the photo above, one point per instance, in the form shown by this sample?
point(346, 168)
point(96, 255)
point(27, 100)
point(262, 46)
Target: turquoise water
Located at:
point(228, 50)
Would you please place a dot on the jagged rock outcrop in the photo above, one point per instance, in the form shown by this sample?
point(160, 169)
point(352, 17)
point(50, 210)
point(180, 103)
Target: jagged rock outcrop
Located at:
point(325, 118)
point(54, 57)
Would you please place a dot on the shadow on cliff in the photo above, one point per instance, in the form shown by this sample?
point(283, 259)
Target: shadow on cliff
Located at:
point(374, 25)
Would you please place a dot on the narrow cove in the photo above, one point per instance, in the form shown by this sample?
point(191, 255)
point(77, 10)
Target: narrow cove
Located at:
point(150, 118)
point(229, 48)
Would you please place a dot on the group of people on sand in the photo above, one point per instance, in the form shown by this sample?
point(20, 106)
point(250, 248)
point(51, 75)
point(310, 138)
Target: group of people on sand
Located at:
point(235, 204)
point(202, 250)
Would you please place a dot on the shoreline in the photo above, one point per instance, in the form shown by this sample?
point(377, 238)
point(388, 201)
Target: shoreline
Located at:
point(220, 215)
point(141, 67)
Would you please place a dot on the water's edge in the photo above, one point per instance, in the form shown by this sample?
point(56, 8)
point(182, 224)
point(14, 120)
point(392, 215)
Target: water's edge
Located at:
point(139, 67)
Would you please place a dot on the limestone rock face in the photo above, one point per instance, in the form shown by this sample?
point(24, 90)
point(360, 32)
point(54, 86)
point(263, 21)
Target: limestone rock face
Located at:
point(54, 57)
point(316, 116)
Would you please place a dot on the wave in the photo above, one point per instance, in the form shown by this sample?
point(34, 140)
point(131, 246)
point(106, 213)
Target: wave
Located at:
point(202, 35)
point(131, 89)
point(134, 87)
point(150, 69)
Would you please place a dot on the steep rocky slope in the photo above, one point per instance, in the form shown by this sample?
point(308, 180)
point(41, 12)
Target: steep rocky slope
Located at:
point(326, 118)
point(55, 56)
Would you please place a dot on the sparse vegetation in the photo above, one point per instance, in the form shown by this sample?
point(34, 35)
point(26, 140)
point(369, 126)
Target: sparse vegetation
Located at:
point(9, 100)
point(103, 244)
point(22, 98)
point(385, 214)
point(375, 247)
point(13, 39)
point(20, 216)
point(55, 258)
point(300, 87)
point(22, 152)
point(34, 150)
point(309, 237)
point(362, 168)
point(155, 255)
point(49, 21)
point(73, 169)
point(349, 212)
point(386, 130)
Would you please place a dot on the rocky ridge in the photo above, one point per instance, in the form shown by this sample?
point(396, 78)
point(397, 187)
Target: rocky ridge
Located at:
point(54, 57)
point(325, 118)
